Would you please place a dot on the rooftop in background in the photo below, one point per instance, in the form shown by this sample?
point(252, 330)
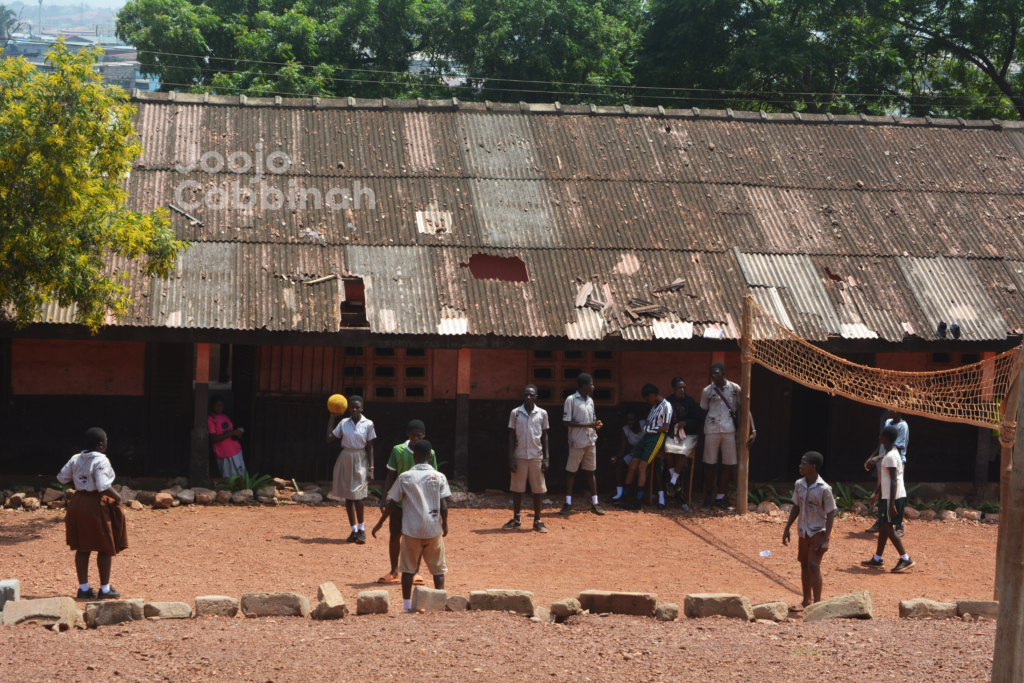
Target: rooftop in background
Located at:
point(638, 223)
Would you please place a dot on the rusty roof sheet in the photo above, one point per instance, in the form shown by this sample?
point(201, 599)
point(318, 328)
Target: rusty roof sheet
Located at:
point(950, 291)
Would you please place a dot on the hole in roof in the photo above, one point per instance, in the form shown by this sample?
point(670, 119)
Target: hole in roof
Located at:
point(668, 129)
point(831, 275)
point(487, 267)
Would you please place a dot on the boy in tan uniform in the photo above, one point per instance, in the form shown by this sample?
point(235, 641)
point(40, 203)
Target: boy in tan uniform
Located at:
point(528, 457)
point(424, 492)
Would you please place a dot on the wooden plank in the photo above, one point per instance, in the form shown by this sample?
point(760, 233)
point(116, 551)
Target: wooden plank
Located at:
point(743, 450)
point(1008, 658)
point(583, 294)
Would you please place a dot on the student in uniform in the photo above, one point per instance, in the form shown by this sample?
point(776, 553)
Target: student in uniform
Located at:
point(721, 402)
point(893, 493)
point(528, 457)
point(354, 466)
point(402, 460)
point(94, 521)
point(892, 418)
point(682, 433)
point(815, 505)
point(650, 446)
point(632, 432)
point(224, 438)
point(579, 417)
point(425, 493)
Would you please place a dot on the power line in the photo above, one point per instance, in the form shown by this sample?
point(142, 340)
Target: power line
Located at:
point(637, 89)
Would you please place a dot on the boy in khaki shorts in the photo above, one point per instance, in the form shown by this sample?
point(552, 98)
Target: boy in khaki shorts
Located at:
point(424, 492)
point(720, 401)
point(528, 456)
point(578, 416)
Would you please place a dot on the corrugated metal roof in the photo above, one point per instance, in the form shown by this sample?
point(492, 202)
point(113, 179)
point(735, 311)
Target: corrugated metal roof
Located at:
point(812, 315)
point(949, 290)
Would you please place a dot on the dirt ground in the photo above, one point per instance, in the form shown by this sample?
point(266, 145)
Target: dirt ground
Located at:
point(479, 646)
point(182, 553)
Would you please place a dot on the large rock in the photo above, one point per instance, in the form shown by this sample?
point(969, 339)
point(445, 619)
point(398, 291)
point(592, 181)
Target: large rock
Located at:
point(667, 611)
point(46, 612)
point(180, 482)
point(10, 590)
point(174, 490)
point(542, 615)
point(167, 610)
point(223, 496)
point(307, 497)
point(372, 602)
point(520, 602)
point(332, 604)
point(50, 495)
point(267, 491)
point(457, 603)
point(429, 599)
point(31, 503)
point(162, 501)
point(919, 608)
point(566, 608)
point(204, 496)
point(911, 513)
point(929, 515)
point(978, 608)
point(700, 605)
point(638, 604)
point(772, 611)
point(861, 509)
point(242, 497)
point(281, 483)
point(991, 518)
point(16, 500)
point(136, 505)
point(275, 605)
point(110, 612)
point(968, 514)
point(216, 606)
point(766, 507)
point(145, 497)
point(850, 606)
point(947, 515)
point(186, 497)
point(128, 495)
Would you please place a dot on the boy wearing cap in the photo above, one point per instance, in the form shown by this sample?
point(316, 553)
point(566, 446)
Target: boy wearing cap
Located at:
point(425, 493)
point(528, 456)
point(579, 417)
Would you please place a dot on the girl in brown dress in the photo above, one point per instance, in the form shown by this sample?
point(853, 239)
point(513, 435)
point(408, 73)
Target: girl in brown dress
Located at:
point(95, 520)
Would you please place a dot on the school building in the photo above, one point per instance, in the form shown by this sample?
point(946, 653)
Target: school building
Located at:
point(437, 256)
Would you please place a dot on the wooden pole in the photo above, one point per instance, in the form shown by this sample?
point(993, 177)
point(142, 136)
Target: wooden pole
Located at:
point(199, 460)
point(743, 451)
point(1005, 470)
point(1007, 664)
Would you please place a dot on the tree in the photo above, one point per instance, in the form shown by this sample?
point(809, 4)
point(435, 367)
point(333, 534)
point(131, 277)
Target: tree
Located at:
point(319, 48)
point(8, 25)
point(67, 143)
point(806, 55)
point(973, 48)
point(535, 50)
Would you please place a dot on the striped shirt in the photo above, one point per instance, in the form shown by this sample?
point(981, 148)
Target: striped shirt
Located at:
point(659, 416)
point(815, 502)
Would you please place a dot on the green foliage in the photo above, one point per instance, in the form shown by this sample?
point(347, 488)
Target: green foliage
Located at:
point(505, 47)
point(62, 487)
point(295, 47)
point(376, 491)
point(988, 507)
point(845, 496)
point(940, 504)
point(67, 143)
point(243, 481)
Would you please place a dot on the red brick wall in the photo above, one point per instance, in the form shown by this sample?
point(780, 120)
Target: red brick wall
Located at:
point(97, 368)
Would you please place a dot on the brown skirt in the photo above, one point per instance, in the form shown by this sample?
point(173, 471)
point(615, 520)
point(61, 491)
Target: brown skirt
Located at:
point(95, 523)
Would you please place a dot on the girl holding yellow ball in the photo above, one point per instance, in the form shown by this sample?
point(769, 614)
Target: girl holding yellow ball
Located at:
point(354, 466)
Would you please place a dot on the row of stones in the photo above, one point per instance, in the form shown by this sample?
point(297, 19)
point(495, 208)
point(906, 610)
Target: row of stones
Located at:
point(860, 508)
point(62, 613)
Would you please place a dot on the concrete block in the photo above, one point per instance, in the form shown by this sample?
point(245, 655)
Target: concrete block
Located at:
point(520, 602)
point(275, 605)
point(457, 603)
point(850, 606)
point(373, 602)
point(167, 610)
point(428, 599)
point(772, 611)
point(216, 606)
point(699, 605)
point(332, 604)
point(110, 612)
point(10, 591)
point(638, 604)
point(46, 612)
point(978, 608)
point(919, 608)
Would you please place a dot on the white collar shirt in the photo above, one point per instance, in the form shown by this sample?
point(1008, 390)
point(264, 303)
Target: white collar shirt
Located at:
point(529, 428)
point(420, 490)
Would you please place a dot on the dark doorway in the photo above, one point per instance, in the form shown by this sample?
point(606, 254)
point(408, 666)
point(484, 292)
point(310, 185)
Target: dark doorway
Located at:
point(810, 424)
point(169, 376)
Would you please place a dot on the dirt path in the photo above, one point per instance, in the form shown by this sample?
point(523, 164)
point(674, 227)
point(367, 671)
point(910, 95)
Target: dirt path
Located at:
point(184, 552)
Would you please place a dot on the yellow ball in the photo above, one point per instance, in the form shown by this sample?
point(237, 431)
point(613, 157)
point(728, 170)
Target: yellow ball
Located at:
point(337, 404)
